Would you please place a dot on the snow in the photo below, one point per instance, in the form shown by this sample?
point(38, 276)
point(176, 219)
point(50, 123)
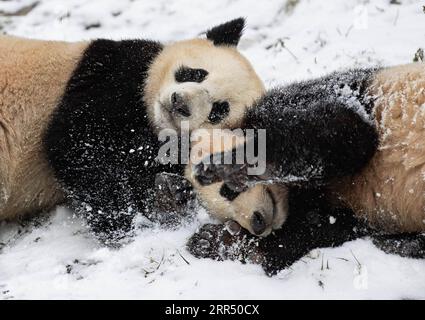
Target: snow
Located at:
point(55, 257)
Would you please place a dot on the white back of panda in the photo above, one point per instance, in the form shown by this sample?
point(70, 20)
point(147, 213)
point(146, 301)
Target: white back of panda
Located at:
point(33, 78)
point(390, 191)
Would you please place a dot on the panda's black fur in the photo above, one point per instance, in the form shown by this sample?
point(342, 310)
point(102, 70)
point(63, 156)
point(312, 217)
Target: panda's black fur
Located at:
point(318, 131)
point(336, 136)
point(100, 142)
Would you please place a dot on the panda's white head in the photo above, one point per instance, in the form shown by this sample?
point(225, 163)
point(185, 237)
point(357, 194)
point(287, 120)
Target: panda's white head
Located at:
point(205, 82)
point(260, 209)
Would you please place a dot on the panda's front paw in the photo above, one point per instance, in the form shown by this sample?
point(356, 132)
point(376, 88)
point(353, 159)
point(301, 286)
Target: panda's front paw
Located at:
point(214, 169)
point(172, 191)
point(220, 242)
point(205, 243)
point(174, 200)
point(207, 173)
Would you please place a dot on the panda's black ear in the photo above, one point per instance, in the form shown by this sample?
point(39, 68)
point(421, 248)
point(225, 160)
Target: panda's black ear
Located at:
point(228, 33)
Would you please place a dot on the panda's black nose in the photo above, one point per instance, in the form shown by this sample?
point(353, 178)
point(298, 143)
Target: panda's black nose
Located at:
point(258, 223)
point(179, 105)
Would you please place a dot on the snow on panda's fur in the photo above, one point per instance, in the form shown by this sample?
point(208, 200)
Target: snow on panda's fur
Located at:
point(346, 145)
point(79, 121)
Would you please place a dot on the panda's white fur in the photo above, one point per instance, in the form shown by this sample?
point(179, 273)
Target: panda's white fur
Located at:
point(389, 192)
point(259, 198)
point(34, 75)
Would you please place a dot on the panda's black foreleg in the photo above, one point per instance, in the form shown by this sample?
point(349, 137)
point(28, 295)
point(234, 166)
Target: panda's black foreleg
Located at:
point(110, 200)
point(308, 146)
point(111, 228)
point(324, 141)
point(105, 202)
point(410, 245)
point(174, 200)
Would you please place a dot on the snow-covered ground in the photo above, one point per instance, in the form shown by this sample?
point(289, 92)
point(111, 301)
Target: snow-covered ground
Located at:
point(54, 257)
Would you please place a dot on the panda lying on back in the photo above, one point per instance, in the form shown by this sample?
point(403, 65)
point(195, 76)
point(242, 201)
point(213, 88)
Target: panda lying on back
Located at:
point(346, 153)
point(79, 121)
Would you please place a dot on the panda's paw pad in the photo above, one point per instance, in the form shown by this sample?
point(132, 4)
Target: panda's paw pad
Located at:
point(222, 166)
point(219, 243)
point(206, 174)
point(206, 242)
point(206, 235)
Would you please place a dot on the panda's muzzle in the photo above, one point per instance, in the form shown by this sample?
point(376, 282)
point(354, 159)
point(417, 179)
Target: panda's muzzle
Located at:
point(179, 105)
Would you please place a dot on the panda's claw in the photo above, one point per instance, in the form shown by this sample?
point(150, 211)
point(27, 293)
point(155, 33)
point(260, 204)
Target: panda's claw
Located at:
point(206, 174)
point(204, 244)
point(206, 235)
point(233, 227)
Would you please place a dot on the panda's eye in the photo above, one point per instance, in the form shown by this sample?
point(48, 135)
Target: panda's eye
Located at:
point(186, 74)
point(228, 193)
point(219, 111)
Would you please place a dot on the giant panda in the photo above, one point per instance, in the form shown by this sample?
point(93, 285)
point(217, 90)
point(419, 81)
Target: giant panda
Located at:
point(79, 122)
point(349, 150)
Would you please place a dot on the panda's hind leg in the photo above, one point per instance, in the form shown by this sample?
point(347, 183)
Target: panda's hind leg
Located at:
point(411, 245)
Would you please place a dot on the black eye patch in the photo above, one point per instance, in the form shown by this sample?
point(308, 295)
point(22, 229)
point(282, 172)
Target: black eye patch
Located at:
point(186, 74)
point(219, 111)
point(228, 193)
